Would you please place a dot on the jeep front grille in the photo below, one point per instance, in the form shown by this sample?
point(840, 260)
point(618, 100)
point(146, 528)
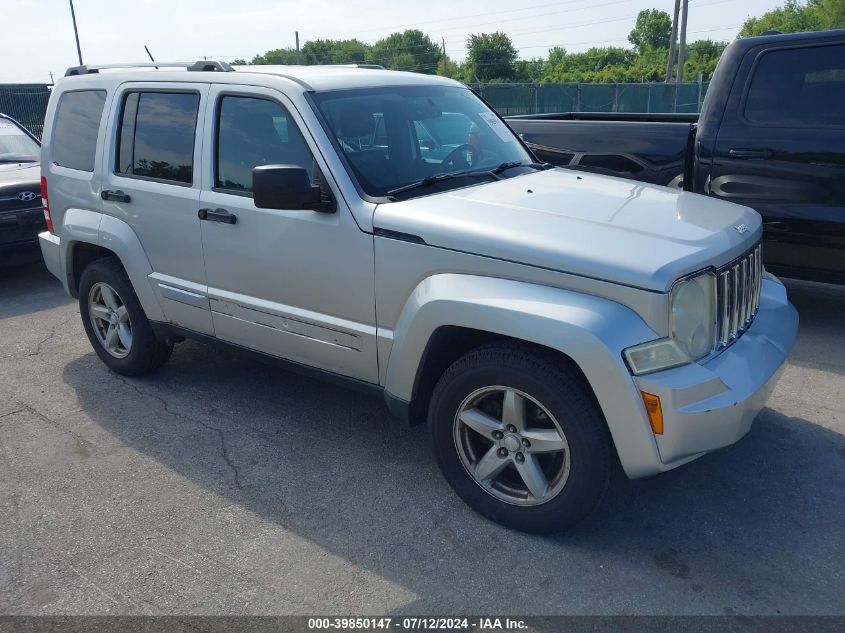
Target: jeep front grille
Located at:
point(738, 296)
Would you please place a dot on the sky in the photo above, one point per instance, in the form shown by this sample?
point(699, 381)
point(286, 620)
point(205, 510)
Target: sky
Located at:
point(37, 35)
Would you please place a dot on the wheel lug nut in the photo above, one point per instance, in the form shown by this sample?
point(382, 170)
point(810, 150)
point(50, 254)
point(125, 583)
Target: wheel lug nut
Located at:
point(526, 443)
point(498, 435)
point(502, 452)
point(520, 457)
point(511, 428)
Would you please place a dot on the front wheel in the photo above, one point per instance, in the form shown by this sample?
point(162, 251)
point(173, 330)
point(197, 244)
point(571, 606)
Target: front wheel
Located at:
point(520, 439)
point(115, 322)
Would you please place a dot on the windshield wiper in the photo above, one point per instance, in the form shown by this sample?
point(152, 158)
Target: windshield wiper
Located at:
point(510, 165)
point(430, 180)
point(18, 160)
point(493, 173)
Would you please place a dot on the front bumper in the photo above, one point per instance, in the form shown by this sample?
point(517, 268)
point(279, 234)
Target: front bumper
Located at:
point(711, 405)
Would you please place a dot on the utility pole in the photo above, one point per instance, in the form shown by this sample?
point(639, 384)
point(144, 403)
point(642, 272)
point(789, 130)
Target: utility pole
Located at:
point(298, 58)
point(670, 65)
point(682, 50)
point(443, 41)
point(75, 32)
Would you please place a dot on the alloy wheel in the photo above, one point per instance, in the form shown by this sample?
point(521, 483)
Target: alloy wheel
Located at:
point(110, 320)
point(512, 446)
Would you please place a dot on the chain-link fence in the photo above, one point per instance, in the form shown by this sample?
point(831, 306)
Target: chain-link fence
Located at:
point(510, 99)
point(26, 103)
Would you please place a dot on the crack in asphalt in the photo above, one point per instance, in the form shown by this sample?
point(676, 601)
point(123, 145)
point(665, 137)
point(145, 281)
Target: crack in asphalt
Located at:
point(45, 418)
point(53, 331)
point(224, 450)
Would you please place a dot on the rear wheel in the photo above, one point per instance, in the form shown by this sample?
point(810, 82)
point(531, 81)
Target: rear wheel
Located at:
point(520, 439)
point(115, 322)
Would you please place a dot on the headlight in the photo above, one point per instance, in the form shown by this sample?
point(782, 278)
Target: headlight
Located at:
point(692, 315)
point(692, 328)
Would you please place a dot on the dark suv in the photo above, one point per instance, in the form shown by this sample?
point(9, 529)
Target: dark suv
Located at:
point(21, 215)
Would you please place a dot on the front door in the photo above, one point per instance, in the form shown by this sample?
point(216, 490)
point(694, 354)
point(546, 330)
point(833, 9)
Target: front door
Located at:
point(781, 150)
point(291, 283)
point(152, 183)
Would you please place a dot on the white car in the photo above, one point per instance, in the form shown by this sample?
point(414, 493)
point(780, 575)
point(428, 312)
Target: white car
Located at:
point(387, 230)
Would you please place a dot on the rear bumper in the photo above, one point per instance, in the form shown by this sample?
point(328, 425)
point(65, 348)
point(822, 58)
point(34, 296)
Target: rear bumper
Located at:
point(711, 405)
point(51, 250)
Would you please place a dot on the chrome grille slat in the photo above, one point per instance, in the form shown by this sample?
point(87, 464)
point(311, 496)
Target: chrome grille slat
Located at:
point(724, 318)
point(734, 301)
point(746, 292)
point(738, 287)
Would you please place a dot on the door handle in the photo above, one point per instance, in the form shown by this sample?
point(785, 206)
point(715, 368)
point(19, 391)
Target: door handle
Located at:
point(750, 154)
point(114, 196)
point(217, 215)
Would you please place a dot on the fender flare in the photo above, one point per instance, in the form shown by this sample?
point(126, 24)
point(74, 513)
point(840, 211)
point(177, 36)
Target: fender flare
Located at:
point(591, 330)
point(117, 236)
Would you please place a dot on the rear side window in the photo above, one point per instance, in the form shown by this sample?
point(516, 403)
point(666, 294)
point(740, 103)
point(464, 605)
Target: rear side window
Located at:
point(75, 128)
point(801, 87)
point(253, 132)
point(157, 132)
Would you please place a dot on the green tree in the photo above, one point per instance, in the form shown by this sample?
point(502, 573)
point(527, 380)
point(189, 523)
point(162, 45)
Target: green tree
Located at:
point(830, 13)
point(702, 57)
point(652, 31)
point(278, 56)
point(529, 70)
point(491, 56)
point(793, 17)
point(334, 52)
point(448, 68)
point(410, 50)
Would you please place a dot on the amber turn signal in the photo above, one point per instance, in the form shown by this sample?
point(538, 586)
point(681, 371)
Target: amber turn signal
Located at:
point(654, 410)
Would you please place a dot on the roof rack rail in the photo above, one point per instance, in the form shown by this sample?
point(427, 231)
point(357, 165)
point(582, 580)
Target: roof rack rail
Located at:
point(371, 66)
point(198, 66)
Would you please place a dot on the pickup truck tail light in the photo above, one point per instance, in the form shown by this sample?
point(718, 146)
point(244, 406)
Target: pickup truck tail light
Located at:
point(45, 203)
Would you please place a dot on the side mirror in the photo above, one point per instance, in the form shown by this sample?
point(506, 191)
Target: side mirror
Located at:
point(286, 187)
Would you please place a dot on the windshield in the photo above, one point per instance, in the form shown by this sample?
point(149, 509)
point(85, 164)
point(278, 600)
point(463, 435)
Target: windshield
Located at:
point(397, 136)
point(16, 145)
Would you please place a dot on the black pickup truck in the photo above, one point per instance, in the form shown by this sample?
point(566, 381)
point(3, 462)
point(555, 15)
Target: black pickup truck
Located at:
point(771, 135)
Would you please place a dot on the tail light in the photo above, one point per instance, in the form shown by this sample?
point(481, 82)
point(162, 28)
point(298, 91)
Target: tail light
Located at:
point(46, 204)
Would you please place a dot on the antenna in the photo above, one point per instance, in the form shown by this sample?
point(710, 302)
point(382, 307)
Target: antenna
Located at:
point(150, 54)
point(75, 32)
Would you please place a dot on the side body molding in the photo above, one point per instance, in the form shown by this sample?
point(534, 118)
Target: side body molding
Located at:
point(117, 236)
point(591, 330)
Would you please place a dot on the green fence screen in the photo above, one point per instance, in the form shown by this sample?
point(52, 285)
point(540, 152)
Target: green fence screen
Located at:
point(511, 99)
point(26, 103)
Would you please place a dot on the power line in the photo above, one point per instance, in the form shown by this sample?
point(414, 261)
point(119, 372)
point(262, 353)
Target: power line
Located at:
point(453, 43)
point(462, 17)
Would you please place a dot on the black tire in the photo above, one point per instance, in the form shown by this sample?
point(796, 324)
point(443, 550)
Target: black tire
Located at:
point(545, 379)
point(147, 353)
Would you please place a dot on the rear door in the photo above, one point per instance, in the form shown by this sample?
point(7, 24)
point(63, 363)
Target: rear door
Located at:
point(781, 150)
point(151, 182)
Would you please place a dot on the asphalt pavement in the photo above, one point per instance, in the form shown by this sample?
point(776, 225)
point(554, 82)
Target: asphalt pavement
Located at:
point(223, 486)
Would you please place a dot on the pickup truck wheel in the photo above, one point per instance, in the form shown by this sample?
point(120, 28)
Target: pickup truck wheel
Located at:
point(519, 439)
point(115, 322)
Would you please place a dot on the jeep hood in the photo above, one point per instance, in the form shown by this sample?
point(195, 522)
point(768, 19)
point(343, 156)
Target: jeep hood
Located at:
point(597, 226)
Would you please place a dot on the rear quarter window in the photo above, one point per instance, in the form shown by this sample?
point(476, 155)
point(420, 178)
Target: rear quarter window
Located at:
point(75, 128)
point(157, 136)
